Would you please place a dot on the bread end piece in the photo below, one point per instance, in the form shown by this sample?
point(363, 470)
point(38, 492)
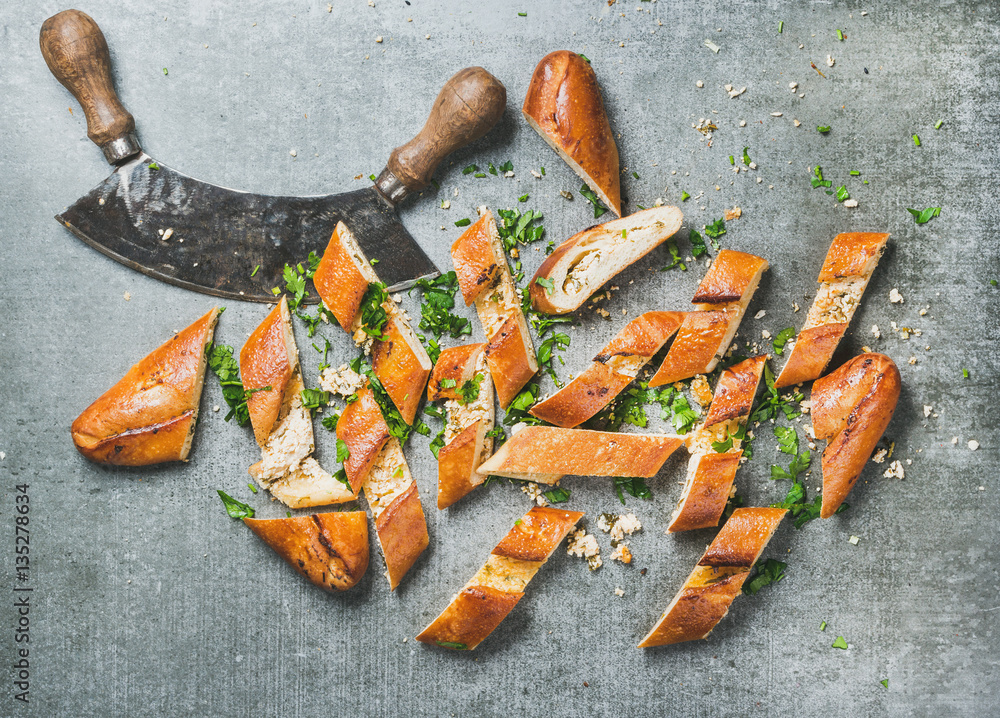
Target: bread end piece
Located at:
point(563, 105)
point(852, 407)
point(329, 549)
point(149, 415)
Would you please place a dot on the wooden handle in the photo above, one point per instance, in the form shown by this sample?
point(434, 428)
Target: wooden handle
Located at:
point(467, 107)
point(76, 52)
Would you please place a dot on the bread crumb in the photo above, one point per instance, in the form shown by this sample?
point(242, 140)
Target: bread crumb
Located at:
point(535, 493)
point(761, 314)
point(566, 195)
point(735, 212)
point(764, 334)
point(796, 123)
point(879, 456)
point(293, 153)
point(895, 470)
point(378, 38)
point(927, 410)
point(699, 83)
point(445, 204)
point(622, 553)
point(584, 545)
point(619, 592)
point(743, 123)
point(912, 360)
point(536, 174)
point(215, 408)
point(850, 203)
point(795, 307)
point(127, 296)
point(775, 114)
point(853, 540)
point(973, 444)
point(895, 297)
point(830, 62)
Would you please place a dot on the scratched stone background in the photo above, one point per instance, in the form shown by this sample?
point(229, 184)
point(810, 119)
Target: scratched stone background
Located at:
point(149, 600)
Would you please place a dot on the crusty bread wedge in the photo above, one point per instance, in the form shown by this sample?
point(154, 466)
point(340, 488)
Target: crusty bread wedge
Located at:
point(362, 427)
point(721, 301)
point(270, 358)
point(589, 259)
point(711, 473)
point(149, 416)
point(268, 361)
point(851, 408)
point(398, 358)
point(484, 278)
point(544, 454)
point(491, 594)
point(564, 106)
point(716, 581)
point(399, 518)
point(331, 549)
point(848, 267)
point(617, 366)
point(467, 424)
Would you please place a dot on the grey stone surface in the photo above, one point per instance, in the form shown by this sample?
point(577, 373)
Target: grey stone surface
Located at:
point(149, 600)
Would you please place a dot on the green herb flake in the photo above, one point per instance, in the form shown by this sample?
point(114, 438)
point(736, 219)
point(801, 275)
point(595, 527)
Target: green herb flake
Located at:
point(674, 256)
point(965, 373)
point(523, 198)
point(633, 486)
point(492, 169)
point(547, 283)
point(685, 196)
point(225, 367)
point(153, 166)
point(822, 625)
point(732, 160)
point(855, 173)
point(823, 128)
point(253, 488)
point(916, 140)
point(764, 574)
point(788, 439)
point(522, 14)
point(993, 282)
point(938, 125)
point(165, 71)
point(839, 643)
point(842, 193)
point(236, 509)
point(784, 336)
point(463, 222)
point(781, 26)
point(372, 178)
point(715, 230)
point(635, 175)
point(698, 246)
point(923, 216)
point(884, 682)
point(557, 495)
point(469, 170)
point(584, 57)
point(343, 451)
point(469, 391)
point(479, 175)
point(746, 158)
point(436, 314)
point(254, 272)
point(840, 35)
point(590, 196)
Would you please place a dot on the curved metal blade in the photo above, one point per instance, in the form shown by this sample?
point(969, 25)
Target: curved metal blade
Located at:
point(229, 243)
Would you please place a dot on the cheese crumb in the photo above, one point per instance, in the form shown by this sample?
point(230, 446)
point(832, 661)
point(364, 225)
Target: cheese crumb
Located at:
point(699, 83)
point(619, 592)
point(973, 444)
point(293, 153)
point(127, 296)
point(760, 315)
point(954, 441)
point(584, 545)
point(928, 408)
point(895, 470)
point(854, 540)
point(879, 456)
point(622, 553)
point(535, 493)
point(895, 297)
point(850, 203)
point(830, 61)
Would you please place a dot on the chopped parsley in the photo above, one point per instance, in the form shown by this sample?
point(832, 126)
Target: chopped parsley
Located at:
point(587, 59)
point(773, 402)
point(437, 443)
point(823, 128)
point(842, 193)
point(937, 126)
point(590, 196)
point(523, 198)
point(839, 643)
point(236, 509)
point(343, 452)
point(782, 339)
point(469, 391)
point(469, 170)
point(965, 373)
point(435, 309)
point(557, 342)
point(254, 272)
point(715, 230)
point(788, 440)
point(225, 366)
point(633, 486)
point(372, 178)
point(507, 166)
point(452, 644)
point(916, 140)
point(330, 422)
point(547, 283)
point(732, 160)
point(675, 257)
point(492, 169)
point(840, 35)
point(313, 399)
point(397, 425)
point(746, 157)
point(764, 574)
point(822, 625)
point(722, 447)
point(516, 228)
point(698, 247)
point(795, 501)
point(885, 681)
point(923, 216)
point(463, 222)
point(557, 495)
point(153, 166)
point(817, 180)
point(735, 502)
point(685, 196)
point(781, 26)
point(682, 416)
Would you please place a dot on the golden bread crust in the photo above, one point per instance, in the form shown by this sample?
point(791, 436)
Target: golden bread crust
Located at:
point(266, 361)
point(362, 427)
point(402, 533)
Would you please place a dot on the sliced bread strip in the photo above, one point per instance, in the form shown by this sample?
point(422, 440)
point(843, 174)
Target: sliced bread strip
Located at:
point(491, 594)
point(848, 267)
point(330, 549)
point(617, 366)
point(399, 518)
point(467, 424)
point(269, 365)
point(485, 279)
point(851, 408)
point(710, 472)
point(721, 301)
point(544, 454)
point(716, 581)
point(589, 259)
point(149, 416)
point(362, 427)
point(399, 359)
point(564, 106)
